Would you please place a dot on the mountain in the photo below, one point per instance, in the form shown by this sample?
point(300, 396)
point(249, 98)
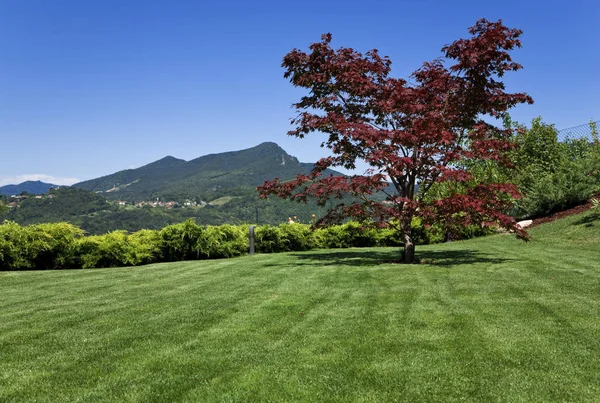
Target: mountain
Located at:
point(221, 188)
point(33, 187)
point(206, 178)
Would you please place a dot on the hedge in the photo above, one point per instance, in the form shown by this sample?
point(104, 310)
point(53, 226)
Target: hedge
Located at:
point(64, 246)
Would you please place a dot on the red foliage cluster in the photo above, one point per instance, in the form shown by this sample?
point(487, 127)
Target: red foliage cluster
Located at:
point(411, 134)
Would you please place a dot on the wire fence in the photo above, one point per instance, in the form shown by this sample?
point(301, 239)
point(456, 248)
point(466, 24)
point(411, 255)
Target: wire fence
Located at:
point(584, 131)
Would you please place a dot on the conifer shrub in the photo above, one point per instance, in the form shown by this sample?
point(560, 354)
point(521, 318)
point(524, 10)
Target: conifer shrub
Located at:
point(269, 239)
point(109, 250)
point(63, 246)
point(41, 246)
point(148, 246)
point(223, 241)
point(348, 235)
point(296, 237)
point(60, 245)
point(389, 236)
point(14, 248)
point(332, 237)
point(359, 235)
point(180, 241)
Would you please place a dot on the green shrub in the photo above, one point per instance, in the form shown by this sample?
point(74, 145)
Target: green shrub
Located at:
point(359, 235)
point(422, 235)
point(474, 231)
point(427, 235)
point(88, 255)
point(109, 250)
point(41, 246)
point(332, 237)
point(554, 176)
point(348, 235)
point(14, 247)
point(284, 238)
point(223, 241)
point(389, 236)
point(62, 245)
point(148, 246)
point(179, 241)
point(571, 184)
point(59, 251)
point(269, 239)
point(296, 237)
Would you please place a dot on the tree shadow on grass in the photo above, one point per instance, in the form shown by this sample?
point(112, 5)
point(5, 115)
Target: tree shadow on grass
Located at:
point(450, 258)
point(588, 220)
point(373, 258)
point(343, 257)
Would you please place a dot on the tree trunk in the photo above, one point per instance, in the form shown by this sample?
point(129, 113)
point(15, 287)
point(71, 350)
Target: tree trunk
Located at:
point(409, 249)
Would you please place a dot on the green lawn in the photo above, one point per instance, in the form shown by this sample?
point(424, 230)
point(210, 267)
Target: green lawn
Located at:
point(492, 319)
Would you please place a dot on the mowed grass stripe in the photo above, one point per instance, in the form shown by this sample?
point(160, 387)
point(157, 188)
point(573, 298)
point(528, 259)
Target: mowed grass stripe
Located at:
point(487, 319)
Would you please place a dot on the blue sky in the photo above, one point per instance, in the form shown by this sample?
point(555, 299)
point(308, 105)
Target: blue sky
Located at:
point(88, 88)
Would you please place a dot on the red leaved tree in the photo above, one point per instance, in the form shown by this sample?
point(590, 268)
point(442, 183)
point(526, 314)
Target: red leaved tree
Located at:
point(411, 134)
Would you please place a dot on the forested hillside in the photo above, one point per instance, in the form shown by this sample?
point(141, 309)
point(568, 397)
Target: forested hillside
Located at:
point(202, 179)
point(93, 213)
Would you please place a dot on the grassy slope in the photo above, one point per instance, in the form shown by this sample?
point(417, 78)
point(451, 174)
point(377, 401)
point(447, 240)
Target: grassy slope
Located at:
point(488, 319)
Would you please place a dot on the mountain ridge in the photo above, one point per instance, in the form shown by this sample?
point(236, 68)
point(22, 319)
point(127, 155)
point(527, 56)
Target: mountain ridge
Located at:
point(33, 187)
point(209, 176)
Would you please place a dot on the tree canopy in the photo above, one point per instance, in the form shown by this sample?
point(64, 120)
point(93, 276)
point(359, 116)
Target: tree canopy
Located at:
point(413, 133)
